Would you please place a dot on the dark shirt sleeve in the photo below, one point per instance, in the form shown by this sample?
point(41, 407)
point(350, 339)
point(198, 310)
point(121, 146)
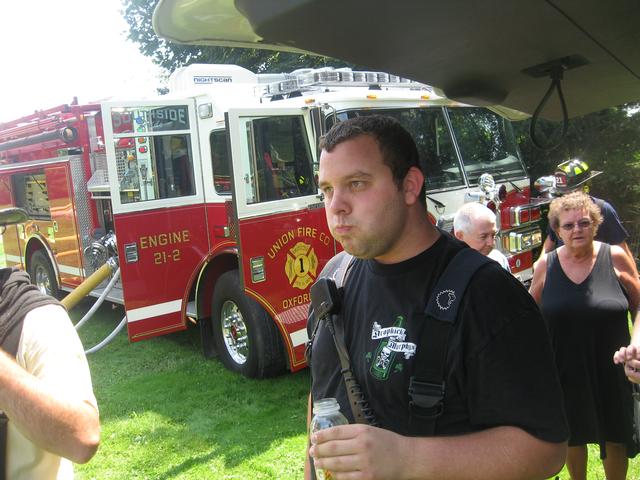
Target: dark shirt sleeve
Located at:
point(510, 369)
point(611, 231)
point(552, 235)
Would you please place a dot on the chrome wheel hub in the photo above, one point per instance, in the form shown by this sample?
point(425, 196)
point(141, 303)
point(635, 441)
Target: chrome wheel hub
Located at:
point(234, 332)
point(42, 281)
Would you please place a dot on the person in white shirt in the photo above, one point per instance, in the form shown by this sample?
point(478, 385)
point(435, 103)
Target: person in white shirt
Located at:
point(475, 225)
point(45, 383)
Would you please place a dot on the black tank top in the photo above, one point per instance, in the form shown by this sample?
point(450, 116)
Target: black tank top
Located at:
point(597, 300)
point(588, 322)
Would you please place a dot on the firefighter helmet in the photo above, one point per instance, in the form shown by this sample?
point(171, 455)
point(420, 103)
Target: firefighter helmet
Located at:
point(571, 175)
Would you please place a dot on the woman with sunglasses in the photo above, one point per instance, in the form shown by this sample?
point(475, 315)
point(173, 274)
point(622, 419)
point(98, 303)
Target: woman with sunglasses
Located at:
point(585, 290)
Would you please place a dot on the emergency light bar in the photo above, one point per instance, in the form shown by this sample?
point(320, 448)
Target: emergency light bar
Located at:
point(312, 79)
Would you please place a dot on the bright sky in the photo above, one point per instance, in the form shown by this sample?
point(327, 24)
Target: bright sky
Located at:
point(52, 51)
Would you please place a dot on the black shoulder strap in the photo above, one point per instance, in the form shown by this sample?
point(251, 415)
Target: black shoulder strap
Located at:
point(337, 268)
point(10, 345)
point(427, 384)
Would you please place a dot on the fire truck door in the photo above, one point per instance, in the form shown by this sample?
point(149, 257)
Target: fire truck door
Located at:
point(282, 232)
point(157, 194)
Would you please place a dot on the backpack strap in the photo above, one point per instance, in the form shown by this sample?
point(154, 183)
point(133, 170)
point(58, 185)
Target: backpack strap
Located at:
point(427, 384)
point(9, 345)
point(337, 268)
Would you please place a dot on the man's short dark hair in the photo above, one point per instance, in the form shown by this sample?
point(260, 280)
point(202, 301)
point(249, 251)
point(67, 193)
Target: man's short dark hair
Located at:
point(398, 148)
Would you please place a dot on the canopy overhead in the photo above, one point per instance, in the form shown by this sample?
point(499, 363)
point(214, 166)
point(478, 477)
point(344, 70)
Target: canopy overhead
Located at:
point(479, 52)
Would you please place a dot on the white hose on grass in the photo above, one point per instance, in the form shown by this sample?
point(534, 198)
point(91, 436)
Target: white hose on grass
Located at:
point(101, 298)
point(110, 337)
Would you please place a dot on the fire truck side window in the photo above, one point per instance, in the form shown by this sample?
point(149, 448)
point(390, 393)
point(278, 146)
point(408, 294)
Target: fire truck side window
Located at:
point(30, 192)
point(487, 144)
point(153, 152)
point(429, 130)
point(221, 162)
point(157, 167)
point(281, 161)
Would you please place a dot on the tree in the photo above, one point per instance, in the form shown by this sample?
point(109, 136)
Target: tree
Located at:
point(609, 141)
point(170, 56)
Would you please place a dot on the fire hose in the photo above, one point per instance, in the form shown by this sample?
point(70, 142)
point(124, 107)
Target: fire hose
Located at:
point(109, 337)
point(85, 288)
point(101, 298)
point(89, 284)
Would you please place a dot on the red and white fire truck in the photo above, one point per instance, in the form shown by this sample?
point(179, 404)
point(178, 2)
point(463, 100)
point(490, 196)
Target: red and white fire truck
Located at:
point(208, 197)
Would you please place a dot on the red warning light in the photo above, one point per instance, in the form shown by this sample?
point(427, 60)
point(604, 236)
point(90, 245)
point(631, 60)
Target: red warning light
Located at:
point(142, 149)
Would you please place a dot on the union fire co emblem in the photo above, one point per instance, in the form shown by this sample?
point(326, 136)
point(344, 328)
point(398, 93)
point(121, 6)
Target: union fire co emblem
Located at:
point(301, 265)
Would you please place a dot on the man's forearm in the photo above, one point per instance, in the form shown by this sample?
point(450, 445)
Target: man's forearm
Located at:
point(52, 420)
point(502, 453)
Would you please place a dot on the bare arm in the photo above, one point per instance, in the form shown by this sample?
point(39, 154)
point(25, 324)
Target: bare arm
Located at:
point(46, 392)
point(539, 275)
point(56, 422)
point(627, 275)
point(627, 250)
point(625, 269)
point(501, 453)
point(548, 245)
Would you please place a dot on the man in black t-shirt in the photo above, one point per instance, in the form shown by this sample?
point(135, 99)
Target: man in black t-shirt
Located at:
point(503, 415)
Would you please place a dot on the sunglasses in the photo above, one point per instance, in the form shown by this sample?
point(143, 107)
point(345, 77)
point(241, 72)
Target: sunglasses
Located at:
point(582, 224)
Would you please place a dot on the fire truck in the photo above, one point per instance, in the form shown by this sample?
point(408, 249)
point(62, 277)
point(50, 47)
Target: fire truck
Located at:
point(208, 199)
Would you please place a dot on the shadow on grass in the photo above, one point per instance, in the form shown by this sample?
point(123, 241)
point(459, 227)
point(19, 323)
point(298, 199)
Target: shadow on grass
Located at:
point(190, 412)
point(188, 465)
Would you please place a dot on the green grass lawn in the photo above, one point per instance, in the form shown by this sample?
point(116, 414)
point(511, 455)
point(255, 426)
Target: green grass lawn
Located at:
point(166, 412)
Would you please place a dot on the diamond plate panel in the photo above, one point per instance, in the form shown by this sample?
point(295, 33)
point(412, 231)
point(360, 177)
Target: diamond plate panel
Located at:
point(228, 205)
point(82, 205)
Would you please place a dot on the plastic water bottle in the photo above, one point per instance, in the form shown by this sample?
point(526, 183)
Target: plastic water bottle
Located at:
point(326, 414)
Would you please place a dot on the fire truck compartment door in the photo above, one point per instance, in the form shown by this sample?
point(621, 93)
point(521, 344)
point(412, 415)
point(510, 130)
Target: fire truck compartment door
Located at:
point(281, 226)
point(159, 216)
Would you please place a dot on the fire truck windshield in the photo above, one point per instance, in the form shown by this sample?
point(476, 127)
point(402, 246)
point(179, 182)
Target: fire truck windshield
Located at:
point(487, 144)
point(431, 134)
point(485, 140)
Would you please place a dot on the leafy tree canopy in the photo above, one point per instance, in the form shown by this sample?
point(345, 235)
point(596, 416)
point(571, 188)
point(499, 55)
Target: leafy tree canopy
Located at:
point(609, 141)
point(170, 56)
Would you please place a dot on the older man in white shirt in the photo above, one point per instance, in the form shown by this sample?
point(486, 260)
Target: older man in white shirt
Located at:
point(475, 225)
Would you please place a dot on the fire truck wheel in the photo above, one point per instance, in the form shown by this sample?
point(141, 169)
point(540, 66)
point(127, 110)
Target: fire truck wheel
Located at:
point(42, 274)
point(247, 339)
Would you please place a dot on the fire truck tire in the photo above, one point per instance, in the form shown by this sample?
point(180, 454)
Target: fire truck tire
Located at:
point(42, 274)
point(247, 339)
